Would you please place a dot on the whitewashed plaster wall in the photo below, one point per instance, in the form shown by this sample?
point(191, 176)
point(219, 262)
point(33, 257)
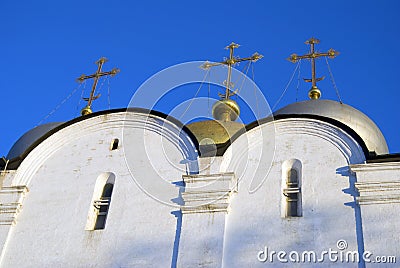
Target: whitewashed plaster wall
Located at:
point(6, 178)
point(61, 173)
point(255, 221)
point(141, 231)
point(379, 189)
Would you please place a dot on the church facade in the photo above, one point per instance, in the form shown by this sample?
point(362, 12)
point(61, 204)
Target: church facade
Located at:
point(135, 188)
point(310, 185)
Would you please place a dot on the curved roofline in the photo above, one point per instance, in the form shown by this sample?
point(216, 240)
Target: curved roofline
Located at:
point(349, 115)
point(29, 137)
point(221, 148)
point(14, 163)
point(384, 158)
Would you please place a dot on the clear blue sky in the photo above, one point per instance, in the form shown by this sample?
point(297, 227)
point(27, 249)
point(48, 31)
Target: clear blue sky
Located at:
point(46, 45)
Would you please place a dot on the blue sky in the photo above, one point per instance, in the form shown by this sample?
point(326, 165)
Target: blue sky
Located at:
point(46, 45)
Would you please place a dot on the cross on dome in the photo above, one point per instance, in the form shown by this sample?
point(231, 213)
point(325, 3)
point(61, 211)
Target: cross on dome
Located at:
point(95, 76)
point(314, 92)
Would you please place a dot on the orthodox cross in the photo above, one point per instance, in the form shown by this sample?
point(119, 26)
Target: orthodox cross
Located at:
point(231, 61)
point(95, 76)
point(314, 92)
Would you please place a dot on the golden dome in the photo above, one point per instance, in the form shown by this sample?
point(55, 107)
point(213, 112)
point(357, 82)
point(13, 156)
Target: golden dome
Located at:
point(226, 110)
point(211, 133)
point(214, 131)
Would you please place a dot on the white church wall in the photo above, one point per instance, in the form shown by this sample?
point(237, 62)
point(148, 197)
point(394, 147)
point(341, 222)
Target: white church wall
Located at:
point(202, 240)
point(6, 177)
point(61, 174)
point(203, 226)
point(378, 185)
point(255, 220)
point(146, 226)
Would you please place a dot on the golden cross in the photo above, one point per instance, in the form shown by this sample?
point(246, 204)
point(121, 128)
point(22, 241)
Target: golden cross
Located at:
point(231, 61)
point(96, 76)
point(314, 92)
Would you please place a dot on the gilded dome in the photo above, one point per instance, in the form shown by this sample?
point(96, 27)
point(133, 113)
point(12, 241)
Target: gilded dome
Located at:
point(226, 110)
point(212, 134)
point(351, 117)
point(214, 131)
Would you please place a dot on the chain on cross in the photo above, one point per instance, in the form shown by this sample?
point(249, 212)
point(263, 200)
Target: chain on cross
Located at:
point(95, 76)
point(314, 92)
